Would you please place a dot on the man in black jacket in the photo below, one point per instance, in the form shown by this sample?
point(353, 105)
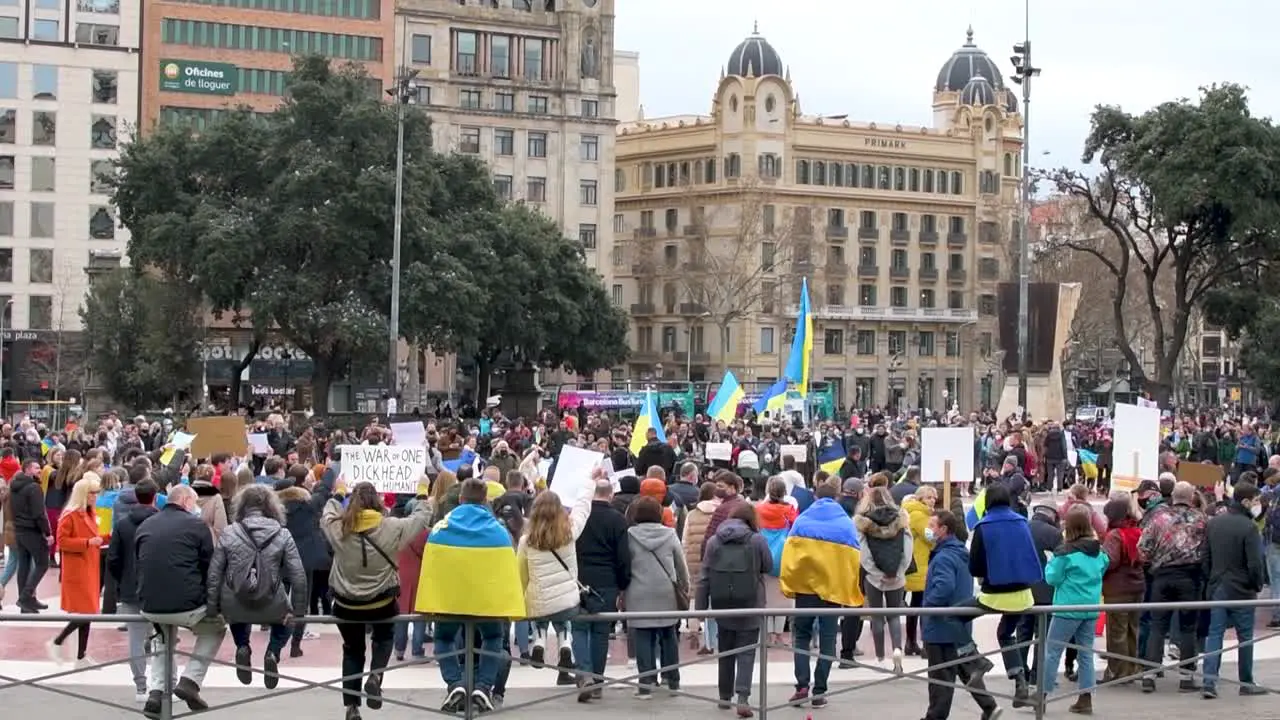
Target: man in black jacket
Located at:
point(122, 564)
point(174, 549)
point(31, 534)
point(1055, 455)
point(1234, 565)
point(653, 453)
point(604, 566)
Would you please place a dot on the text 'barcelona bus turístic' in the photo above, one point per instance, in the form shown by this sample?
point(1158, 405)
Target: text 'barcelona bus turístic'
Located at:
point(822, 399)
point(625, 398)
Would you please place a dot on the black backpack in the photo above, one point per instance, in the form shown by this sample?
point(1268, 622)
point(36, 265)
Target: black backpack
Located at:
point(256, 585)
point(734, 576)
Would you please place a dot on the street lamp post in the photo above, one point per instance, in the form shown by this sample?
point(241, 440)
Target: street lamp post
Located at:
point(401, 93)
point(1023, 72)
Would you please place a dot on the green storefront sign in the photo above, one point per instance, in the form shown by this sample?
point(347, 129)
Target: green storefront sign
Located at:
point(202, 78)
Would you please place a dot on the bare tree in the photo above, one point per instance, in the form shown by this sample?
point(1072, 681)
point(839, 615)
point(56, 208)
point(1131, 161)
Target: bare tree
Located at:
point(738, 251)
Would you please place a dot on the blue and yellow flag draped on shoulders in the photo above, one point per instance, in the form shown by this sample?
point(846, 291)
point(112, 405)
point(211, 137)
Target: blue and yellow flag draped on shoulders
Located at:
point(469, 568)
point(648, 419)
point(822, 556)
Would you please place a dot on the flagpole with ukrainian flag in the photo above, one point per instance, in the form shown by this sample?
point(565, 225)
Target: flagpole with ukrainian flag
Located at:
point(725, 405)
point(798, 363)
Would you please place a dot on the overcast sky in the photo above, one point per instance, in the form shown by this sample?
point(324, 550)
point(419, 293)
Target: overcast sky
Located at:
point(878, 61)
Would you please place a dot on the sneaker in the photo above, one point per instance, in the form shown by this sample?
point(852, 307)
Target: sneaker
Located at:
point(799, 696)
point(643, 693)
point(455, 701)
point(1209, 692)
point(271, 670)
point(1148, 685)
point(539, 656)
point(152, 707)
point(1251, 690)
point(244, 663)
point(373, 692)
point(819, 701)
point(295, 650)
point(86, 662)
point(566, 658)
point(188, 692)
point(399, 657)
point(745, 711)
point(1188, 685)
point(481, 700)
point(308, 635)
point(55, 652)
point(353, 713)
point(140, 696)
point(565, 678)
point(897, 661)
point(724, 704)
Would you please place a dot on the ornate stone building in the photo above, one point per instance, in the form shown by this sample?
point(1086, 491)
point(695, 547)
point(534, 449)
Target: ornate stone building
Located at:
point(902, 233)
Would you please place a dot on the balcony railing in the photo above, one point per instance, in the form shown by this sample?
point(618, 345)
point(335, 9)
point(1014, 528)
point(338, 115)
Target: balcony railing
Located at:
point(868, 270)
point(928, 274)
point(956, 275)
point(900, 273)
point(860, 312)
point(644, 232)
point(692, 308)
point(957, 239)
point(868, 233)
point(837, 232)
point(900, 237)
point(698, 358)
point(928, 237)
point(642, 309)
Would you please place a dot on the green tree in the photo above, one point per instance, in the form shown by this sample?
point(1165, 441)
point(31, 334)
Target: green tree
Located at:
point(517, 293)
point(287, 217)
point(1188, 197)
point(141, 333)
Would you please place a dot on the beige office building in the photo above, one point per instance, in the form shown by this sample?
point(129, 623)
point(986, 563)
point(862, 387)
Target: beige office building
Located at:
point(902, 233)
point(527, 86)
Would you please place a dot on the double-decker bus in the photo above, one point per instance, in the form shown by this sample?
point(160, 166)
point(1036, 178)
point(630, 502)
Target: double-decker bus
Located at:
point(822, 398)
point(625, 397)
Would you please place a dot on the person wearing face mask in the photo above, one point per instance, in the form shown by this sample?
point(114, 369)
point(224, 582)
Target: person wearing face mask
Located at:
point(1236, 571)
point(174, 550)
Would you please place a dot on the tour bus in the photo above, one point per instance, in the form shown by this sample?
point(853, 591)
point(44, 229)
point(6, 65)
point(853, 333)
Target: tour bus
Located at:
point(625, 397)
point(822, 399)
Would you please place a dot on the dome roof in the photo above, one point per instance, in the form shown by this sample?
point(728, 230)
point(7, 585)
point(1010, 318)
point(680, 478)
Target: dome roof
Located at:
point(1010, 101)
point(754, 57)
point(967, 63)
point(978, 91)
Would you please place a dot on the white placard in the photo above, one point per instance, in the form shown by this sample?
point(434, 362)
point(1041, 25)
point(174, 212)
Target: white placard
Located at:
point(1136, 447)
point(391, 468)
point(573, 473)
point(940, 446)
point(799, 452)
point(719, 451)
point(258, 441)
point(409, 434)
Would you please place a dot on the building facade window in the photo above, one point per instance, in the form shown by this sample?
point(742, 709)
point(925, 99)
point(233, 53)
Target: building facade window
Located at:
point(198, 33)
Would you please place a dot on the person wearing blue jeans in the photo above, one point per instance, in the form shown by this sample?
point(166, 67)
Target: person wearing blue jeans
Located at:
point(400, 640)
point(450, 652)
point(591, 641)
point(1273, 572)
point(656, 647)
point(1063, 631)
point(10, 568)
point(1219, 620)
point(802, 633)
point(241, 634)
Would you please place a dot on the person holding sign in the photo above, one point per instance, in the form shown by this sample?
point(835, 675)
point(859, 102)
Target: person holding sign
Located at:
point(366, 584)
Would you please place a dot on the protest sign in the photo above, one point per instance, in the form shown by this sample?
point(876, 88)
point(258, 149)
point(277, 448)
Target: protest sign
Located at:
point(391, 469)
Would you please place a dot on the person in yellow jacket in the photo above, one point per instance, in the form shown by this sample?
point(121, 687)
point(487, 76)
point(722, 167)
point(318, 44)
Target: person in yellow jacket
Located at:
point(919, 507)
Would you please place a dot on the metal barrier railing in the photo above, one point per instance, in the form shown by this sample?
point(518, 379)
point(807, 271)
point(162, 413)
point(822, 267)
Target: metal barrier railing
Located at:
point(469, 653)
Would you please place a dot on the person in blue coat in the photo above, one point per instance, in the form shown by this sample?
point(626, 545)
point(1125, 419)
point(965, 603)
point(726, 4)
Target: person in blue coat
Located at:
point(946, 638)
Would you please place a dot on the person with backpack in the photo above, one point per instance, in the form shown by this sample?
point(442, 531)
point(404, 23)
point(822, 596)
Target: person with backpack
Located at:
point(887, 558)
point(257, 577)
point(776, 516)
point(734, 567)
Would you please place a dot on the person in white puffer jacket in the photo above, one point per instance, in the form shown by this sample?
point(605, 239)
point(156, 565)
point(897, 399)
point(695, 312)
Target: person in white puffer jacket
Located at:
point(548, 561)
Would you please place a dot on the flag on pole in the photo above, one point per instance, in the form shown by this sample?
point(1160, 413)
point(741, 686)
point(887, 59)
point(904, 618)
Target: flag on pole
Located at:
point(802, 345)
point(648, 419)
point(774, 398)
point(725, 405)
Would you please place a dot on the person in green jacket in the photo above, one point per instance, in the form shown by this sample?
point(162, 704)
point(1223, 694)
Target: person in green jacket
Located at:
point(1075, 573)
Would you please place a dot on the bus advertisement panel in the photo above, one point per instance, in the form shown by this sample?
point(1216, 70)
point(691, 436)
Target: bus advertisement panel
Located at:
point(571, 397)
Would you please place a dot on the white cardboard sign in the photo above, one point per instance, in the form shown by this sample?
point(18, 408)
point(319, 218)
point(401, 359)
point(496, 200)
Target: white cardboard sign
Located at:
point(391, 468)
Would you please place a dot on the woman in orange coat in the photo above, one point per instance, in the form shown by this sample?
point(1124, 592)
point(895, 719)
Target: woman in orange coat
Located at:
point(80, 543)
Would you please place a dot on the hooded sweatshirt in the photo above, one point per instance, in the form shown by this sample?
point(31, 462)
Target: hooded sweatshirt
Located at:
point(1075, 573)
point(657, 489)
point(658, 571)
point(886, 546)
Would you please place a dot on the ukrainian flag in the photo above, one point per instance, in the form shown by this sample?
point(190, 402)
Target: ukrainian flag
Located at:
point(975, 513)
point(104, 508)
point(822, 556)
point(774, 398)
point(648, 419)
point(469, 568)
point(47, 445)
point(802, 345)
point(831, 458)
point(730, 394)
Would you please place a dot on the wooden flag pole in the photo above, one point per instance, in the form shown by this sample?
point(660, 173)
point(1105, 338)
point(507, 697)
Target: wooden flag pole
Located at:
point(946, 484)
